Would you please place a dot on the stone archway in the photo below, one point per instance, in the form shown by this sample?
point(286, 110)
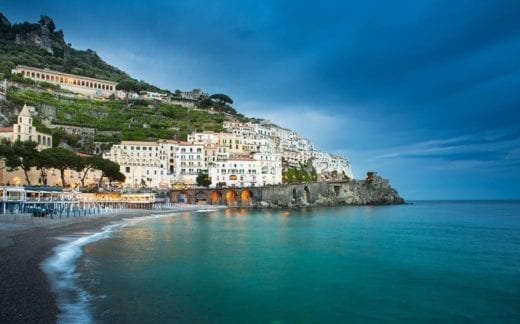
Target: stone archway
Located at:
point(246, 197)
point(183, 197)
point(215, 197)
point(307, 194)
point(231, 197)
point(201, 197)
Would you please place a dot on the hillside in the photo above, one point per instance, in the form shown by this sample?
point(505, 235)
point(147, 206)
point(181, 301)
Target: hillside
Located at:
point(41, 45)
point(135, 120)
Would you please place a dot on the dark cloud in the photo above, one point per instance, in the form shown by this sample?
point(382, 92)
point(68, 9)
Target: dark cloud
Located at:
point(386, 73)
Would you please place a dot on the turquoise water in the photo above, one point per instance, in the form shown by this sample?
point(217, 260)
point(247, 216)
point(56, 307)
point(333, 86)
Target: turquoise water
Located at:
point(427, 262)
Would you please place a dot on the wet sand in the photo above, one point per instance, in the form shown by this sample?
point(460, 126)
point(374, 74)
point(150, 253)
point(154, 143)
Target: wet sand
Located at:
point(25, 292)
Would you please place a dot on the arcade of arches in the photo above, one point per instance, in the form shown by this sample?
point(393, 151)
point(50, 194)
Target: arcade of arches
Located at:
point(228, 196)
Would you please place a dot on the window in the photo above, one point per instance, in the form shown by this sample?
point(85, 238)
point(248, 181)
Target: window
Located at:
point(127, 169)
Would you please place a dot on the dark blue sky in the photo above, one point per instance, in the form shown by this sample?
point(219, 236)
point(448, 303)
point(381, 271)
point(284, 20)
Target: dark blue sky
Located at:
point(427, 93)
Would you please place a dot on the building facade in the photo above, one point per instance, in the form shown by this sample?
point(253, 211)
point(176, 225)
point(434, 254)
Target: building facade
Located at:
point(24, 130)
point(79, 84)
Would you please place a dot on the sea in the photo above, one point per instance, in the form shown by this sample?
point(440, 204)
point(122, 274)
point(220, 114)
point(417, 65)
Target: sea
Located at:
point(430, 261)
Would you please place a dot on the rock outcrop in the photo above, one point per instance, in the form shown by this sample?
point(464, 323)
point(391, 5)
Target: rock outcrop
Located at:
point(40, 35)
point(376, 191)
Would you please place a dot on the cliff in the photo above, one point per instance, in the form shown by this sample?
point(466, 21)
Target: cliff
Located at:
point(42, 45)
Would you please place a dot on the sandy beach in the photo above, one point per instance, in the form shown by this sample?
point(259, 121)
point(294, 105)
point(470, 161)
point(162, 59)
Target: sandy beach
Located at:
point(25, 292)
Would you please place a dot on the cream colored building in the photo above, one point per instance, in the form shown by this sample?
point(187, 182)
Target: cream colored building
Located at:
point(79, 84)
point(24, 130)
point(139, 161)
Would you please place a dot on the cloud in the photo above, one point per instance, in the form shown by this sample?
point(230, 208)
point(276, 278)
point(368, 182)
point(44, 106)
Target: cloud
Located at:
point(485, 150)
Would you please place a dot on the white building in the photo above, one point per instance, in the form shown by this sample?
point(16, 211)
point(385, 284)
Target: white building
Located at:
point(246, 155)
point(327, 164)
point(190, 161)
point(24, 130)
point(247, 171)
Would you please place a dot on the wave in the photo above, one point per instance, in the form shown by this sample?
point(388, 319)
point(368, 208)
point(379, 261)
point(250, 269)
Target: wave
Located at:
point(60, 267)
point(61, 270)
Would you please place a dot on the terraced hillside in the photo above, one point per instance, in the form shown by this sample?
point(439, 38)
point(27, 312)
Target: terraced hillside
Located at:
point(137, 120)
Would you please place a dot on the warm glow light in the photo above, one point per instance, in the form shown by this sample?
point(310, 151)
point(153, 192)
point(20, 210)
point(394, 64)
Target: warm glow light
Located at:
point(17, 181)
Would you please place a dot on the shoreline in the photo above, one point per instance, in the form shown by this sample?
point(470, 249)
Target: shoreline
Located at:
point(26, 294)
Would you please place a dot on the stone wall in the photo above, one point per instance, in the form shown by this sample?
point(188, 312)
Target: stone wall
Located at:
point(374, 192)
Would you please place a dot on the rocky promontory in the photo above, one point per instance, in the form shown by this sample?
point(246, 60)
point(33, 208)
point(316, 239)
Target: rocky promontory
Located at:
point(372, 191)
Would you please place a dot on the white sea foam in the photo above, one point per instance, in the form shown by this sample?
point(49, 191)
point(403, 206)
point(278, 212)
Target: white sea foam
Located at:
point(61, 270)
point(73, 301)
point(205, 210)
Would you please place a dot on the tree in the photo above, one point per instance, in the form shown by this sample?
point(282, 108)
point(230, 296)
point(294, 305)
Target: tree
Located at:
point(43, 163)
point(222, 102)
point(129, 86)
point(19, 155)
point(84, 165)
point(62, 159)
point(221, 99)
point(108, 169)
point(203, 179)
point(204, 103)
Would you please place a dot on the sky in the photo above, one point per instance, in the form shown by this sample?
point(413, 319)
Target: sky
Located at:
point(426, 93)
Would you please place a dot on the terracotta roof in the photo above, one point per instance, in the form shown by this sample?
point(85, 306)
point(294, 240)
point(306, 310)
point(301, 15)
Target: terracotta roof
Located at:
point(6, 129)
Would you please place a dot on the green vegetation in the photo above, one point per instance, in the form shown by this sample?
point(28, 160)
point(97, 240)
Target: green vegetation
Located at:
point(217, 102)
point(135, 120)
point(24, 155)
point(299, 174)
point(58, 56)
point(203, 179)
point(19, 155)
point(41, 45)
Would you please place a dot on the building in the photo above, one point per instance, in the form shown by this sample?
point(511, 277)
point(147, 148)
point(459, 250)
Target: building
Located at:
point(139, 161)
point(79, 84)
point(24, 130)
point(194, 94)
point(149, 95)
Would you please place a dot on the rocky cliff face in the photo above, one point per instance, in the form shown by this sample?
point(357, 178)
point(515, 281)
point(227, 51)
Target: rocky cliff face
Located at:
point(355, 192)
point(41, 35)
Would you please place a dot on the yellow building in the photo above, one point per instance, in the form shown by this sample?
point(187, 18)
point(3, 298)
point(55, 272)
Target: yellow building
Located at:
point(75, 83)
